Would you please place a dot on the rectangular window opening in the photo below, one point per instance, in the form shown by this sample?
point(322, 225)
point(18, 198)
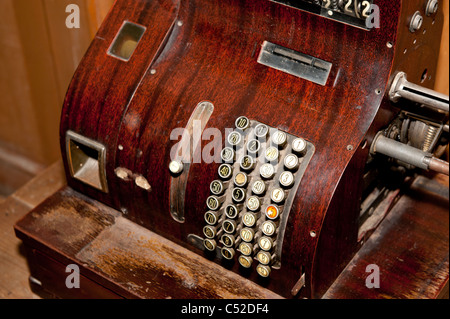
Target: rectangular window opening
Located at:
point(86, 159)
point(126, 41)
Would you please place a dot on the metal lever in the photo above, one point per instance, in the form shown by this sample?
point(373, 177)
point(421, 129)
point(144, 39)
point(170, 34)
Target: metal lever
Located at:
point(183, 157)
point(408, 154)
point(402, 88)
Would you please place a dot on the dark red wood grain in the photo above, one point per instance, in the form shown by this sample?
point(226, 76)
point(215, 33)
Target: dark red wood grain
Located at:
point(102, 86)
point(211, 55)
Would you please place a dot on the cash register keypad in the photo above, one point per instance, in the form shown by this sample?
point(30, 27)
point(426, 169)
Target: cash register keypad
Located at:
point(247, 210)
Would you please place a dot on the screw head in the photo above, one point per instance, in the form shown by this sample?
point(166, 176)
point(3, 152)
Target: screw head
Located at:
point(432, 7)
point(416, 22)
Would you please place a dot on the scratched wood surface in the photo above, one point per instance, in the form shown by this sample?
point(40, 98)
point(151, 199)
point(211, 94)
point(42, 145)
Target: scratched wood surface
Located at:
point(410, 247)
point(117, 255)
point(14, 271)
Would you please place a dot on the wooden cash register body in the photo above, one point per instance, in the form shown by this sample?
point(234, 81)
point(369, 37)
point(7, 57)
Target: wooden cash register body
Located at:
point(200, 50)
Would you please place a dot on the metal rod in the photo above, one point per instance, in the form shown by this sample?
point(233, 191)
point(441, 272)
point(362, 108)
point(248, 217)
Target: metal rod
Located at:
point(439, 165)
point(401, 88)
point(408, 154)
point(400, 151)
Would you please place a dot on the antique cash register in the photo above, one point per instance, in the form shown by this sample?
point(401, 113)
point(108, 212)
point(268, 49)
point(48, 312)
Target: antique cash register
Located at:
point(266, 139)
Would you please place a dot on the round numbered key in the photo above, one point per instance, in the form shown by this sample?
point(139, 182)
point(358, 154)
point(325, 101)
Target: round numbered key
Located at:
point(299, 146)
point(229, 226)
point(246, 248)
point(279, 138)
point(245, 261)
point(271, 154)
point(210, 244)
point(247, 163)
point(265, 243)
point(291, 162)
point(213, 202)
point(259, 187)
point(212, 217)
point(277, 195)
point(238, 195)
point(242, 123)
point(247, 234)
point(263, 270)
point(227, 240)
point(263, 257)
point(286, 179)
point(231, 211)
point(234, 138)
point(267, 171)
point(261, 130)
point(227, 155)
point(225, 171)
point(268, 228)
point(249, 219)
point(227, 252)
point(240, 179)
point(217, 187)
point(253, 146)
point(209, 231)
point(253, 203)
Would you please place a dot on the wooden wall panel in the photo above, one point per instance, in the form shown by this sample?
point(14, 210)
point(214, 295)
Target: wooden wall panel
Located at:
point(98, 9)
point(442, 80)
point(18, 125)
point(67, 45)
point(38, 58)
point(42, 81)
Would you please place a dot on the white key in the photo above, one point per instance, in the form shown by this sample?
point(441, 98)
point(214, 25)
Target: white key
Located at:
point(267, 171)
point(277, 195)
point(299, 146)
point(258, 187)
point(279, 138)
point(271, 154)
point(291, 162)
point(286, 179)
point(268, 228)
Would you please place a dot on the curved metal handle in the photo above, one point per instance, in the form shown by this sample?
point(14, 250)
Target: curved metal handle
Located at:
point(182, 158)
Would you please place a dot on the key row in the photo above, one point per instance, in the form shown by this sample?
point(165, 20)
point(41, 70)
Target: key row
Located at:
point(266, 171)
point(246, 234)
point(261, 131)
point(271, 155)
point(238, 195)
point(212, 218)
point(253, 203)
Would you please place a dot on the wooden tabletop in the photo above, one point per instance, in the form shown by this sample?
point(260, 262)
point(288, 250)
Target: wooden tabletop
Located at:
point(14, 271)
point(410, 247)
